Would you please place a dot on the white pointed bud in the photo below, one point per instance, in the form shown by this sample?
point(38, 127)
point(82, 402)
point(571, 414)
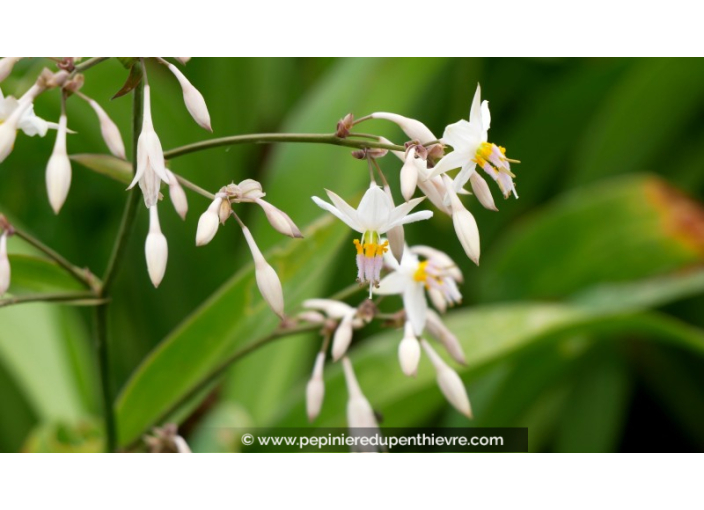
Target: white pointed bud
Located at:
point(183, 60)
point(156, 249)
point(437, 329)
point(181, 445)
point(177, 195)
point(464, 223)
point(8, 133)
point(195, 104)
point(449, 382)
point(267, 279)
point(414, 129)
point(315, 389)
point(6, 65)
point(4, 265)
point(343, 336)
point(482, 192)
point(359, 412)
point(409, 174)
point(330, 307)
point(58, 170)
point(311, 316)
point(208, 223)
point(279, 219)
point(109, 130)
point(409, 351)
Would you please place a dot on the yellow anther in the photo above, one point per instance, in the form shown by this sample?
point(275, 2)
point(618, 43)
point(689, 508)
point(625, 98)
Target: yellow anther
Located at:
point(358, 245)
point(382, 248)
point(369, 250)
point(420, 275)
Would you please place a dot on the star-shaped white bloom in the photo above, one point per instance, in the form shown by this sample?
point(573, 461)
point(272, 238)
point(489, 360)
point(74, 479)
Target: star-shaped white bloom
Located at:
point(374, 217)
point(19, 114)
point(469, 140)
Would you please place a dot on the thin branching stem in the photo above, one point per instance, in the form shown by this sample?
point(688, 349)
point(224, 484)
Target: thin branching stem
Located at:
point(84, 66)
point(70, 298)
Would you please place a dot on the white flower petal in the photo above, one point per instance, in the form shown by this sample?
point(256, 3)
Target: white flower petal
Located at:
point(416, 306)
point(393, 283)
point(340, 215)
point(411, 218)
point(453, 160)
point(343, 206)
point(486, 119)
point(374, 209)
point(475, 113)
point(482, 192)
point(403, 209)
point(413, 128)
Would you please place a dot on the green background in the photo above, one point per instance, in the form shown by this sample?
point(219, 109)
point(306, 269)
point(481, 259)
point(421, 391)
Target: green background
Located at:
point(583, 321)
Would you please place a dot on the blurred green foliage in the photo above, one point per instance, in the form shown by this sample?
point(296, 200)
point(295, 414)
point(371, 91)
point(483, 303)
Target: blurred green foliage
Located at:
point(583, 321)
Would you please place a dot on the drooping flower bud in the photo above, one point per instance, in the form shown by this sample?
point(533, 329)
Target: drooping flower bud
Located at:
point(315, 389)
point(409, 351)
point(311, 316)
point(343, 336)
point(109, 130)
point(409, 174)
point(195, 104)
point(332, 308)
point(482, 192)
point(414, 129)
point(449, 382)
point(437, 329)
point(156, 249)
point(464, 223)
point(279, 220)
point(58, 170)
point(178, 195)
point(267, 279)
point(6, 65)
point(344, 126)
point(396, 236)
point(359, 412)
point(208, 223)
point(4, 265)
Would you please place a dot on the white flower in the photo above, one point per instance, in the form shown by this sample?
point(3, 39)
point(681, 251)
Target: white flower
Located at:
point(4, 265)
point(465, 225)
point(267, 279)
point(359, 412)
point(409, 351)
point(6, 65)
point(19, 114)
point(449, 382)
point(315, 389)
point(58, 170)
point(414, 129)
point(156, 249)
point(279, 219)
point(151, 169)
point(412, 277)
point(469, 140)
point(195, 104)
point(349, 321)
point(208, 222)
point(177, 195)
point(109, 130)
point(374, 217)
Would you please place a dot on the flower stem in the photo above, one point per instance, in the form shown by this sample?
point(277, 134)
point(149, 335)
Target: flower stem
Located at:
point(101, 311)
point(329, 139)
point(83, 66)
point(75, 298)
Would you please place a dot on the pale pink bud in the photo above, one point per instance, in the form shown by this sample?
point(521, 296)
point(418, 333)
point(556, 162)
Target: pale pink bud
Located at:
point(208, 223)
point(343, 336)
point(109, 130)
point(311, 316)
point(4, 265)
point(482, 192)
point(156, 249)
point(414, 129)
point(279, 219)
point(58, 170)
point(437, 329)
point(464, 223)
point(409, 174)
point(195, 104)
point(330, 307)
point(267, 279)
point(177, 195)
point(449, 382)
point(6, 65)
point(409, 351)
point(359, 412)
point(315, 390)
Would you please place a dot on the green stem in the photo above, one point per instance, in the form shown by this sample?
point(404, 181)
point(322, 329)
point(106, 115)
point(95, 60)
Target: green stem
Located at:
point(279, 137)
point(83, 66)
point(101, 312)
point(76, 298)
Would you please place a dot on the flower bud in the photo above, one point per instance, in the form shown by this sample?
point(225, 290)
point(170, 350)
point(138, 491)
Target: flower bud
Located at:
point(109, 130)
point(6, 65)
point(208, 223)
point(343, 337)
point(224, 211)
point(8, 133)
point(359, 412)
point(156, 249)
point(181, 445)
point(409, 174)
point(482, 192)
point(396, 236)
point(315, 389)
point(464, 223)
point(178, 196)
point(195, 104)
point(414, 129)
point(449, 382)
point(409, 352)
point(4, 265)
point(279, 220)
point(183, 60)
point(250, 189)
point(344, 126)
point(311, 316)
point(440, 332)
point(58, 170)
point(332, 308)
point(267, 279)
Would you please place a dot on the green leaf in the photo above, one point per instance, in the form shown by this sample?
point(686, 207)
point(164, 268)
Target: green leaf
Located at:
point(132, 81)
point(614, 231)
point(234, 316)
point(32, 274)
point(106, 164)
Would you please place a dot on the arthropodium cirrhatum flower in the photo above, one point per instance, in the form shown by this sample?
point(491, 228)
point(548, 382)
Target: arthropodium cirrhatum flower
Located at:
point(177, 195)
point(156, 248)
point(151, 169)
point(449, 382)
point(359, 411)
point(469, 140)
point(5, 272)
point(465, 225)
point(409, 351)
point(348, 318)
point(374, 217)
point(108, 129)
point(315, 389)
point(209, 222)
point(195, 104)
point(267, 279)
point(58, 169)
point(19, 114)
point(6, 65)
